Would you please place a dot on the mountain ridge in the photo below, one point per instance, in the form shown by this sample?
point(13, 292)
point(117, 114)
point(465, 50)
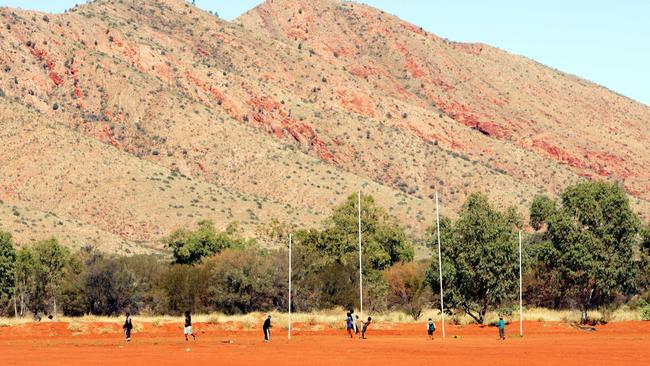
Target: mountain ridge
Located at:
point(243, 109)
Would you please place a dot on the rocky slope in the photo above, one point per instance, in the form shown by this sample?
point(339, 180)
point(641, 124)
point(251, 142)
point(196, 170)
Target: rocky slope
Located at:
point(132, 118)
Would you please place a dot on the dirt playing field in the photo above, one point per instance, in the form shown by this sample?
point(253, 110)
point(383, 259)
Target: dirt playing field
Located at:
point(544, 343)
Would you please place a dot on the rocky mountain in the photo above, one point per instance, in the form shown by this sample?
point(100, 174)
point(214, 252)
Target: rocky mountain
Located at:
point(123, 120)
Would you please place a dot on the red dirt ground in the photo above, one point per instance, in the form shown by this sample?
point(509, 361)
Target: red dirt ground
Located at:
point(626, 343)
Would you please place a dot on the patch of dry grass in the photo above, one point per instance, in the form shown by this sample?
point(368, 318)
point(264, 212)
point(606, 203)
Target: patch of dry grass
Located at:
point(333, 318)
point(77, 328)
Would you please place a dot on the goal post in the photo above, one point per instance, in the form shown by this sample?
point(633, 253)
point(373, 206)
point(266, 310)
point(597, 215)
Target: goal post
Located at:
point(360, 264)
point(521, 307)
point(289, 327)
point(442, 306)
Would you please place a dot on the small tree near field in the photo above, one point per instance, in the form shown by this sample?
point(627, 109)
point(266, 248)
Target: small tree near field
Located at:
point(51, 259)
point(479, 258)
point(333, 253)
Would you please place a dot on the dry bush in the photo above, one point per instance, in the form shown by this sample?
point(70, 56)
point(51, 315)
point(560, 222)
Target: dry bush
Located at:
point(407, 288)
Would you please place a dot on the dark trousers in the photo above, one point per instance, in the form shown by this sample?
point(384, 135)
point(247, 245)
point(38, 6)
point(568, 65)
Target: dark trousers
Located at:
point(267, 334)
point(502, 333)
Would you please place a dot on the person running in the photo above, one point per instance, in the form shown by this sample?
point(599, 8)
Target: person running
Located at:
point(187, 331)
point(502, 328)
point(348, 324)
point(431, 327)
point(267, 329)
point(128, 326)
point(365, 327)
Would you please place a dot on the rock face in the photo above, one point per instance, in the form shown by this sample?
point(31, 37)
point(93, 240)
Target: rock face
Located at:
point(282, 114)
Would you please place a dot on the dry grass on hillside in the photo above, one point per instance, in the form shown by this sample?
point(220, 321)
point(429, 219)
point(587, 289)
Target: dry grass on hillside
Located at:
point(193, 117)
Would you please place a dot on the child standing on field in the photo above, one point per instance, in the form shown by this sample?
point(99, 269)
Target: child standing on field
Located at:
point(128, 326)
point(502, 328)
point(188, 326)
point(431, 327)
point(355, 329)
point(365, 327)
point(267, 329)
point(348, 324)
point(357, 323)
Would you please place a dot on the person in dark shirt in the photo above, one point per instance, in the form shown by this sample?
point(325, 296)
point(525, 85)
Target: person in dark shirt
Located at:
point(365, 327)
point(267, 329)
point(188, 326)
point(128, 326)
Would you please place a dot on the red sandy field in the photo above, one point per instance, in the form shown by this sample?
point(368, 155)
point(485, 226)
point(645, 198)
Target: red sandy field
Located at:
point(544, 343)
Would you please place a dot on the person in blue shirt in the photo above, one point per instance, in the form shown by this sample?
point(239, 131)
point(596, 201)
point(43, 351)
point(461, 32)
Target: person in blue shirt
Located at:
point(502, 328)
point(348, 324)
point(431, 327)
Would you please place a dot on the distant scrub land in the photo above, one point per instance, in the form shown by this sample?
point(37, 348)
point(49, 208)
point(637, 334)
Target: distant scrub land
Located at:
point(588, 251)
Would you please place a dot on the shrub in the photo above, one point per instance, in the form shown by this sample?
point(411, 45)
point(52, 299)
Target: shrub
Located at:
point(407, 288)
point(242, 281)
point(645, 313)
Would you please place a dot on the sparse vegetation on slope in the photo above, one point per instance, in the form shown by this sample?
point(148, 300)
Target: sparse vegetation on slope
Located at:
point(128, 119)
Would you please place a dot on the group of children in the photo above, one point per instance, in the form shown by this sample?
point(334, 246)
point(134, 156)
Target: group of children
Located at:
point(352, 323)
point(187, 329)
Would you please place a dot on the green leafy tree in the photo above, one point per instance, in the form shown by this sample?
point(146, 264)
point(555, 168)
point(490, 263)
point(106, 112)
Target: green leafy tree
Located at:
point(246, 280)
point(7, 266)
point(73, 297)
point(645, 241)
point(383, 241)
point(25, 278)
point(110, 287)
point(51, 259)
point(590, 237)
point(642, 282)
point(479, 257)
point(332, 269)
point(189, 247)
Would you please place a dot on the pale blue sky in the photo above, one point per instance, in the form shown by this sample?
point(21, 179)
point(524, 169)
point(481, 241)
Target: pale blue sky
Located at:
point(606, 41)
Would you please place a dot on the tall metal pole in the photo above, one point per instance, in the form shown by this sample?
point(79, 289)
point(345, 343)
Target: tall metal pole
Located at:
point(521, 308)
point(442, 306)
point(289, 285)
point(360, 265)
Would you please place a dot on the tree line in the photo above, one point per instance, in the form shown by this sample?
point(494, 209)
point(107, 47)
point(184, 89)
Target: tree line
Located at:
point(588, 250)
